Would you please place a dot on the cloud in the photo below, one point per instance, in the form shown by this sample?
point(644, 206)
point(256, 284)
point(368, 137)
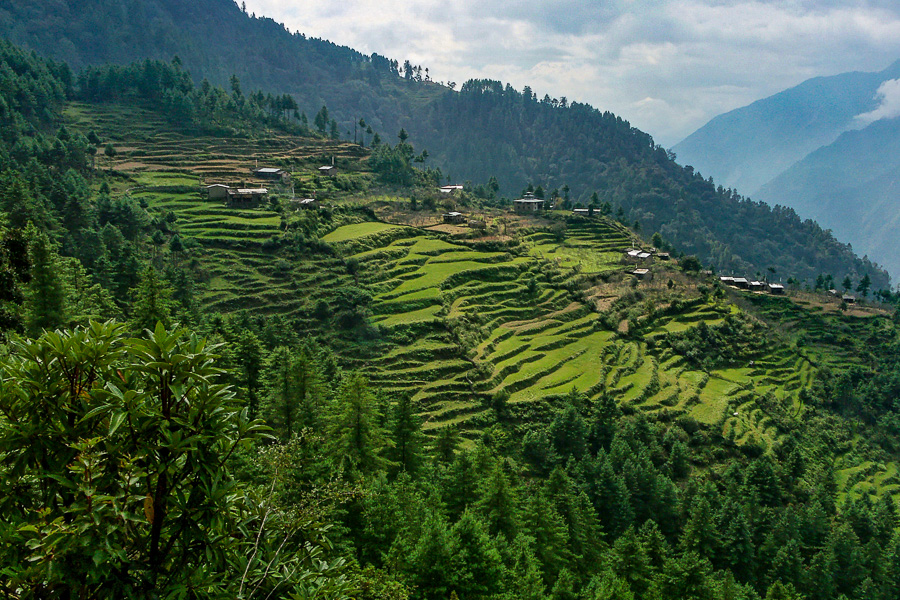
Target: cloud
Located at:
point(668, 66)
point(888, 95)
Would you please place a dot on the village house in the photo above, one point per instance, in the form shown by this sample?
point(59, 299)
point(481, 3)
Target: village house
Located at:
point(454, 218)
point(849, 299)
point(741, 282)
point(271, 173)
point(727, 279)
point(776, 289)
point(328, 170)
point(217, 191)
point(239, 195)
point(450, 189)
point(307, 203)
point(757, 286)
point(528, 204)
point(641, 273)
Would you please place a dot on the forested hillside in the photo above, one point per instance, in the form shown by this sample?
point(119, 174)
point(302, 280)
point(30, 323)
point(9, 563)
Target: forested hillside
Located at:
point(357, 400)
point(484, 130)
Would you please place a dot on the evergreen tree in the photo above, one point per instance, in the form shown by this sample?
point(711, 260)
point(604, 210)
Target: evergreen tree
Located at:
point(406, 433)
point(279, 404)
point(357, 440)
point(151, 303)
point(475, 564)
point(46, 295)
point(498, 504)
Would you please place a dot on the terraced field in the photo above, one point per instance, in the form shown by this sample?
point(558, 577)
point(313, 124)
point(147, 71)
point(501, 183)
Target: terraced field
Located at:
point(456, 325)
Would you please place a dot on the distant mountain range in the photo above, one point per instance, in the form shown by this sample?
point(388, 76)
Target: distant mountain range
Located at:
point(828, 148)
point(476, 131)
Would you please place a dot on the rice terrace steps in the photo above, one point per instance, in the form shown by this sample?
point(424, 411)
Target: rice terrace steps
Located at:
point(459, 324)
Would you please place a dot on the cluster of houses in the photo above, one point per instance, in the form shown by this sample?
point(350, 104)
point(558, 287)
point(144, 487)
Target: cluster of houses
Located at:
point(639, 256)
point(742, 283)
point(245, 194)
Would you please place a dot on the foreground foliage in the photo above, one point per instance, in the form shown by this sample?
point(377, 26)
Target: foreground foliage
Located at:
point(115, 477)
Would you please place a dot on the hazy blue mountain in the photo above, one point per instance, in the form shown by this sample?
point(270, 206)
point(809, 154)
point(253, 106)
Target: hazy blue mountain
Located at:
point(749, 146)
point(852, 187)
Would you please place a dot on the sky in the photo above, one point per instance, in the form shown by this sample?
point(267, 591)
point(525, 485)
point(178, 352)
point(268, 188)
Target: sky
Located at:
point(668, 66)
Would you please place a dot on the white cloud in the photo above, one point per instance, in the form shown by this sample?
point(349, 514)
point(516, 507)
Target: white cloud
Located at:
point(888, 95)
point(668, 66)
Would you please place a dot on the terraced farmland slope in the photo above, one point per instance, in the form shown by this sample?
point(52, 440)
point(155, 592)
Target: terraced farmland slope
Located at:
point(457, 324)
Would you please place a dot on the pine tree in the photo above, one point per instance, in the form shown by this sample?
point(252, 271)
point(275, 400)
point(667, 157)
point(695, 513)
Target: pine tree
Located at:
point(279, 404)
point(406, 432)
point(46, 294)
point(497, 503)
point(151, 303)
point(475, 564)
point(357, 440)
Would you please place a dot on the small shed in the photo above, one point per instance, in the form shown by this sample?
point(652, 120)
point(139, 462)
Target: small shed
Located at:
point(663, 256)
point(217, 191)
point(776, 289)
point(308, 203)
point(328, 170)
point(741, 282)
point(528, 204)
point(757, 286)
point(271, 173)
point(449, 189)
point(641, 273)
point(247, 194)
point(849, 299)
point(633, 253)
point(454, 218)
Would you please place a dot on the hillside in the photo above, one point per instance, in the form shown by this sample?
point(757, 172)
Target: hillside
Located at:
point(849, 186)
point(390, 406)
point(749, 146)
point(485, 130)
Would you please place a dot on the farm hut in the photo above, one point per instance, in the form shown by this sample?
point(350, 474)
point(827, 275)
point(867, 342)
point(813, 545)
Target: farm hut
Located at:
point(776, 289)
point(757, 286)
point(308, 203)
point(644, 255)
point(454, 218)
point(247, 194)
point(727, 280)
point(528, 204)
point(663, 256)
point(217, 191)
point(849, 299)
point(328, 170)
point(742, 283)
point(633, 253)
point(449, 189)
point(477, 224)
point(641, 273)
point(271, 173)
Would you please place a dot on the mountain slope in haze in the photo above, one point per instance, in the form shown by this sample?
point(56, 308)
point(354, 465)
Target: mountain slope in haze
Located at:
point(850, 186)
point(485, 129)
point(749, 146)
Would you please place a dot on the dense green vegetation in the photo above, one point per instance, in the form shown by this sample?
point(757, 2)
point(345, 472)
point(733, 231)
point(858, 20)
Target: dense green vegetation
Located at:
point(484, 130)
point(387, 409)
